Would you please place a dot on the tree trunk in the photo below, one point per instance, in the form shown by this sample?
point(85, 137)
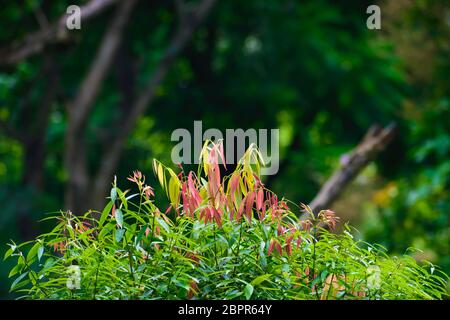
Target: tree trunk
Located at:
point(79, 191)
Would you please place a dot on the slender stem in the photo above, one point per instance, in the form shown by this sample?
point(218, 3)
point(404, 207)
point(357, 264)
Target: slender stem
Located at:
point(239, 244)
point(32, 275)
point(140, 199)
point(130, 260)
point(215, 246)
point(95, 283)
point(313, 273)
point(331, 285)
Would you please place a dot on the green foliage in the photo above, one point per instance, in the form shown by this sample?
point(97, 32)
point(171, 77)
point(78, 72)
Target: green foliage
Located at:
point(221, 238)
point(413, 210)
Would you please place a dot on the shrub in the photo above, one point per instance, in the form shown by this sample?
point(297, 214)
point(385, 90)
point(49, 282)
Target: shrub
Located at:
point(227, 238)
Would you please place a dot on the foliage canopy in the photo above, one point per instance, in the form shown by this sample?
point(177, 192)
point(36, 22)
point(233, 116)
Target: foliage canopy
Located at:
point(220, 238)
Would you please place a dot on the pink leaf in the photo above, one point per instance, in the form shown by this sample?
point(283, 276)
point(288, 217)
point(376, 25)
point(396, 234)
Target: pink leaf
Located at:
point(278, 248)
point(240, 210)
point(271, 246)
point(259, 199)
point(263, 212)
point(250, 199)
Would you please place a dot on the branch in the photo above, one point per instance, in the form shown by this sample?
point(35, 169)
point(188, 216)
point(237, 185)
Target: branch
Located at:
point(51, 72)
point(79, 110)
point(35, 42)
point(375, 141)
point(34, 144)
point(188, 25)
point(90, 87)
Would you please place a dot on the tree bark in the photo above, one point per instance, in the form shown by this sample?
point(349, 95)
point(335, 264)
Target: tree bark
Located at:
point(33, 140)
point(375, 141)
point(78, 189)
point(189, 22)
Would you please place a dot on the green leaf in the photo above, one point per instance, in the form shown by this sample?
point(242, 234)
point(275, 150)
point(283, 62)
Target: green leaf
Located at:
point(174, 189)
point(105, 214)
point(16, 269)
point(49, 263)
point(141, 233)
point(33, 251)
point(104, 232)
point(40, 252)
point(163, 224)
point(113, 194)
point(9, 252)
point(119, 217)
point(119, 234)
point(14, 285)
point(158, 169)
point(122, 197)
point(248, 291)
point(260, 279)
point(323, 275)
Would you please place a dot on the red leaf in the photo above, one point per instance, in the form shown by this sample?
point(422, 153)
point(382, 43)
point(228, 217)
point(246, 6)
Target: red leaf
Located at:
point(193, 289)
point(280, 229)
point(263, 213)
point(234, 184)
point(250, 199)
point(232, 213)
point(217, 217)
point(299, 241)
point(240, 210)
point(271, 246)
point(288, 249)
point(288, 245)
point(278, 248)
point(113, 211)
point(259, 199)
point(191, 181)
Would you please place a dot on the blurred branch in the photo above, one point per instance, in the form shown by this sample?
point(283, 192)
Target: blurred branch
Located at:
point(188, 24)
point(90, 86)
point(375, 141)
point(81, 107)
point(35, 42)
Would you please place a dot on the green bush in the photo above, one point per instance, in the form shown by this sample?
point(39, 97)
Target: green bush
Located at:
point(221, 238)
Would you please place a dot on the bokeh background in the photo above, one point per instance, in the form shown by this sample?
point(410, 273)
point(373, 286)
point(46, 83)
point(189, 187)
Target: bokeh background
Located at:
point(310, 68)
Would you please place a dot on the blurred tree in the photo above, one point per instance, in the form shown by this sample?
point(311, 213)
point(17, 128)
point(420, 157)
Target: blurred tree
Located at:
point(84, 189)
